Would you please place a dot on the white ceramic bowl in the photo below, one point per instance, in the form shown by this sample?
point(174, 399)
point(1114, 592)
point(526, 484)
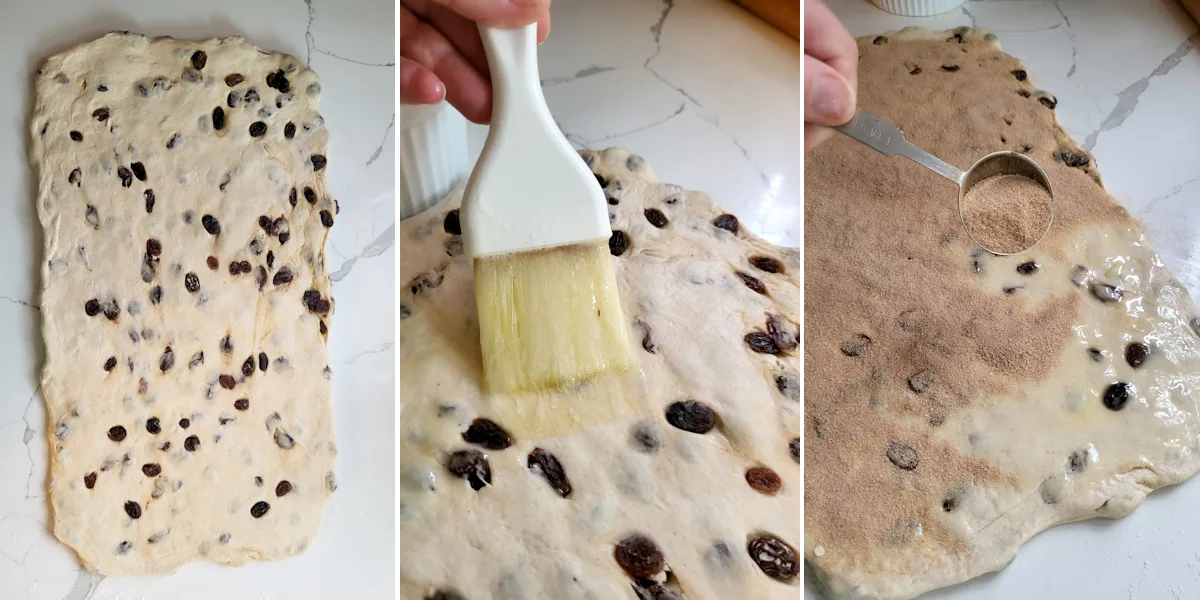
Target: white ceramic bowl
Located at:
point(433, 155)
point(918, 8)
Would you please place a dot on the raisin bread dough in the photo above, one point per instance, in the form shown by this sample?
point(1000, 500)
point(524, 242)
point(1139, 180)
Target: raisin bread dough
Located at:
point(956, 402)
point(698, 292)
point(185, 301)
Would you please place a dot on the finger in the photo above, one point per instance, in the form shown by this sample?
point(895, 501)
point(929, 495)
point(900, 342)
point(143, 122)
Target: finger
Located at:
point(419, 85)
point(828, 98)
point(461, 33)
point(814, 135)
point(826, 39)
point(466, 88)
point(495, 13)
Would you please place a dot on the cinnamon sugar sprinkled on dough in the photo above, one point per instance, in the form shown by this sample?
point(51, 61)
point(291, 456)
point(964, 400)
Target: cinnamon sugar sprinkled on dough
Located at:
point(886, 257)
point(1007, 213)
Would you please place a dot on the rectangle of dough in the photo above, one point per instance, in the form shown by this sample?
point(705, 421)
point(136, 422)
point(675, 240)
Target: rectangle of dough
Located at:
point(181, 189)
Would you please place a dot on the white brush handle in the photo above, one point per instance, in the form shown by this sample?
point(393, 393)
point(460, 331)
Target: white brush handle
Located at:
point(529, 189)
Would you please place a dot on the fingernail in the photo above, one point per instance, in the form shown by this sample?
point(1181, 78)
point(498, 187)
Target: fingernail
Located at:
point(830, 96)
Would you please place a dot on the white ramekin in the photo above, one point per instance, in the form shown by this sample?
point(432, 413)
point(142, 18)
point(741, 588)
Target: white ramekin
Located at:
point(918, 8)
point(433, 155)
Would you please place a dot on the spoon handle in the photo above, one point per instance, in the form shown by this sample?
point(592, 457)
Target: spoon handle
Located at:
point(889, 141)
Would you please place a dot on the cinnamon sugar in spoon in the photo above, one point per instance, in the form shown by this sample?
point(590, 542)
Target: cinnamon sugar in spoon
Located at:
point(1008, 214)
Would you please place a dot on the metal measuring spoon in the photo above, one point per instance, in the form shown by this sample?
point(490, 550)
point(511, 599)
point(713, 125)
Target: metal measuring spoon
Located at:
point(890, 141)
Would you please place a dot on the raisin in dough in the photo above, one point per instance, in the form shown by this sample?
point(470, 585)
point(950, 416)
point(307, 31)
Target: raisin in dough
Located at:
point(957, 403)
point(689, 313)
point(185, 301)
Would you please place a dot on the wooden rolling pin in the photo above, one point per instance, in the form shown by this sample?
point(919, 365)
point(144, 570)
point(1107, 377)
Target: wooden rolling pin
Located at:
point(784, 15)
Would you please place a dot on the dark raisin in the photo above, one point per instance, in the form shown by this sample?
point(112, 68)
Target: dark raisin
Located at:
point(618, 242)
point(196, 360)
point(445, 594)
point(92, 307)
point(1048, 101)
point(487, 433)
point(156, 294)
point(78, 137)
point(148, 196)
point(1023, 93)
point(283, 276)
point(451, 223)
point(727, 222)
point(291, 198)
point(278, 81)
point(766, 263)
point(241, 403)
point(471, 465)
point(172, 141)
point(921, 381)
point(110, 364)
point(310, 195)
point(764, 480)
point(1136, 353)
point(153, 247)
point(226, 345)
point(133, 509)
point(601, 180)
point(780, 333)
point(75, 177)
point(153, 425)
point(950, 68)
point(235, 268)
point(1028, 268)
point(795, 448)
point(151, 469)
point(752, 282)
point(856, 346)
point(789, 386)
point(259, 509)
point(248, 367)
point(111, 310)
point(1072, 158)
point(89, 480)
point(218, 118)
point(1078, 461)
point(774, 557)
point(251, 96)
point(191, 282)
point(326, 218)
point(1106, 293)
point(318, 162)
point(1096, 354)
point(199, 59)
point(100, 114)
point(547, 465)
point(139, 170)
point(1019, 74)
point(126, 176)
point(211, 224)
point(761, 343)
point(656, 217)
point(262, 362)
point(880, 40)
point(289, 130)
point(1116, 395)
point(116, 433)
point(902, 455)
point(227, 381)
point(282, 488)
point(691, 416)
point(258, 129)
point(167, 361)
point(646, 437)
point(639, 556)
point(192, 443)
point(233, 79)
point(915, 71)
point(260, 276)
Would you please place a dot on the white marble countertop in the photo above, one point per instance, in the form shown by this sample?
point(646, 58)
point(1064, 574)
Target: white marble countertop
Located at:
point(350, 45)
point(1127, 77)
point(707, 93)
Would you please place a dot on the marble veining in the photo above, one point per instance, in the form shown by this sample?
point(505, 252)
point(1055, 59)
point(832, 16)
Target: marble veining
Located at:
point(351, 47)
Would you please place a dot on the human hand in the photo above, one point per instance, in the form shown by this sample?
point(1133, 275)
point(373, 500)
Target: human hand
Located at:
point(830, 73)
point(441, 54)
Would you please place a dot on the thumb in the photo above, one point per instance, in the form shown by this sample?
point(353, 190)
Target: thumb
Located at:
point(828, 98)
point(499, 13)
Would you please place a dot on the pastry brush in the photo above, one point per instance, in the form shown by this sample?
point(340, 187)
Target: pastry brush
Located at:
point(535, 221)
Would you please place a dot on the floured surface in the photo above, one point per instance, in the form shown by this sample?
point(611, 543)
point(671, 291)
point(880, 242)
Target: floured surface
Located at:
point(186, 376)
point(689, 314)
point(975, 415)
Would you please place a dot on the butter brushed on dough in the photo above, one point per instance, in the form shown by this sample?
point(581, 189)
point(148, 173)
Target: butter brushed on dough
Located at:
point(189, 406)
point(688, 313)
